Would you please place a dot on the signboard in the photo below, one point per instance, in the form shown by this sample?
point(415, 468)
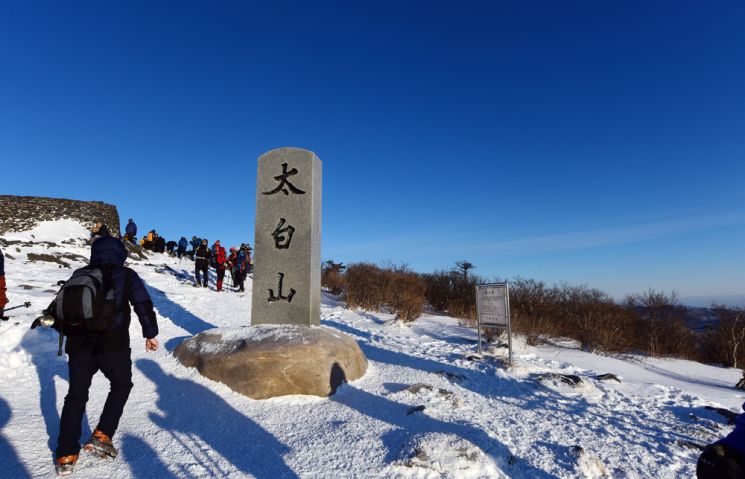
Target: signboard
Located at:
point(493, 308)
point(492, 303)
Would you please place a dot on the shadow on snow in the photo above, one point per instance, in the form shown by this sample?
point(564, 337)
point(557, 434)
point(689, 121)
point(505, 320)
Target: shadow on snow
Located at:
point(196, 412)
point(11, 465)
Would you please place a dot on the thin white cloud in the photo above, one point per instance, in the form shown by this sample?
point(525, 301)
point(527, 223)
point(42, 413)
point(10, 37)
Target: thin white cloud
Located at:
point(609, 236)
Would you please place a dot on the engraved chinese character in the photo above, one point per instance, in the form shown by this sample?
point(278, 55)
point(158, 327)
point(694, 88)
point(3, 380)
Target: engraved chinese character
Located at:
point(283, 236)
point(284, 184)
point(272, 298)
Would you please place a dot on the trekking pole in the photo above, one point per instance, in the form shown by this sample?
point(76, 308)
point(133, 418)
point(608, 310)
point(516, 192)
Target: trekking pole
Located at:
point(27, 304)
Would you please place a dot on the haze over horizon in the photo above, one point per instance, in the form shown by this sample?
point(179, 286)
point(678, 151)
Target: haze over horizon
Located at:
point(591, 143)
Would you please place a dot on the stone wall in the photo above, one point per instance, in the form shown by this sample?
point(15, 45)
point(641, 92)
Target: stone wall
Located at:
point(21, 213)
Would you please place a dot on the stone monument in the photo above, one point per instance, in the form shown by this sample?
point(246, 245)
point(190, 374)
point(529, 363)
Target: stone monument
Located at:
point(285, 350)
point(287, 244)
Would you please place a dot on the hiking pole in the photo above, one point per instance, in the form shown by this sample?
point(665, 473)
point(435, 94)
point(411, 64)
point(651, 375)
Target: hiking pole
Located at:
point(27, 304)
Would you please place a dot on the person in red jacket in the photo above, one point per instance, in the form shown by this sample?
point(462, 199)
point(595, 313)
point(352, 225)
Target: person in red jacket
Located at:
point(3, 298)
point(221, 260)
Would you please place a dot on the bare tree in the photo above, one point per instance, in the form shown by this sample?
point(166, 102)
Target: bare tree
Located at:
point(463, 266)
point(731, 330)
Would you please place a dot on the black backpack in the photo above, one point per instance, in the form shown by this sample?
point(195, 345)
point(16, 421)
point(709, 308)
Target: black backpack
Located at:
point(86, 302)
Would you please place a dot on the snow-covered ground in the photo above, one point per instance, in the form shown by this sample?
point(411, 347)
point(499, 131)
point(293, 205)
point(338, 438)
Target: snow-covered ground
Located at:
point(423, 410)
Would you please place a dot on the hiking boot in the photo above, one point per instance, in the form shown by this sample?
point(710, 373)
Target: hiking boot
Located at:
point(100, 444)
point(65, 465)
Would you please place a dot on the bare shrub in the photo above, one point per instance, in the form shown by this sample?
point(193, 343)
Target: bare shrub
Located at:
point(534, 309)
point(437, 290)
point(662, 330)
point(405, 295)
point(366, 285)
point(332, 277)
point(725, 343)
point(591, 317)
point(393, 288)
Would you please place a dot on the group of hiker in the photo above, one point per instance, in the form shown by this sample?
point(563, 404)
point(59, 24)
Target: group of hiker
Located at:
point(238, 262)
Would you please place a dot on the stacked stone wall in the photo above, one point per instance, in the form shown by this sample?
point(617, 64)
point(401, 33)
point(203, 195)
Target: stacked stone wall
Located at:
point(22, 213)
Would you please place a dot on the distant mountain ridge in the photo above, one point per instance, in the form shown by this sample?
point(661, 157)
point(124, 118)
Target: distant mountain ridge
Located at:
point(21, 213)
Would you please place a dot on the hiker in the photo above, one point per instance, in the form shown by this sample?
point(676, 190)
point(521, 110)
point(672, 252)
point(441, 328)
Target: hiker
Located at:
point(232, 257)
point(159, 244)
point(239, 265)
point(249, 264)
point(182, 244)
point(99, 230)
point(170, 246)
point(3, 289)
point(725, 459)
point(219, 262)
point(195, 242)
point(203, 256)
point(107, 350)
point(130, 231)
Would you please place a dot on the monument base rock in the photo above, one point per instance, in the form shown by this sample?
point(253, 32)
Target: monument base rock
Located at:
point(270, 360)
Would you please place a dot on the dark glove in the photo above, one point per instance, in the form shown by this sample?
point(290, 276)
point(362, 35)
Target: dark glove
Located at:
point(719, 461)
point(2, 314)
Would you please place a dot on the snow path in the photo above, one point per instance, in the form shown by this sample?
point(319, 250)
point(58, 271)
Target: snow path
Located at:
point(479, 419)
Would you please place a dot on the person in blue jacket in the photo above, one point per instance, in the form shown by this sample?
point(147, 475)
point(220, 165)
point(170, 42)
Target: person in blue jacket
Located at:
point(195, 243)
point(725, 459)
point(182, 245)
point(108, 351)
point(130, 231)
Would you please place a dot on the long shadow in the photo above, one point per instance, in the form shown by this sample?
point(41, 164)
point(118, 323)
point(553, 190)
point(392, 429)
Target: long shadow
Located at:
point(11, 465)
point(194, 410)
point(143, 461)
point(408, 426)
point(48, 366)
point(178, 315)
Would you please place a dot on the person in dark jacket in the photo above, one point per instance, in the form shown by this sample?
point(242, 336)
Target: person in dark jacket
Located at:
point(202, 257)
point(3, 289)
point(108, 351)
point(99, 230)
point(170, 247)
point(195, 242)
point(159, 244)
point(725, 459)
point(182, 245)
point(130, 231)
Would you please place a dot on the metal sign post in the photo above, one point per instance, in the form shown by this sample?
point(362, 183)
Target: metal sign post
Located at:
point(493, 307)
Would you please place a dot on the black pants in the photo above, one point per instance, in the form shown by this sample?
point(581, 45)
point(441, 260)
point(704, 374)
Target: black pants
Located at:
point(238, 280)
point(203, 268)
point(117, 367)
point(180, 252)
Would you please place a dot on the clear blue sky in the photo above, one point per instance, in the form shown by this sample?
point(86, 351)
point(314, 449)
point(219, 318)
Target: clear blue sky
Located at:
point(588, 142)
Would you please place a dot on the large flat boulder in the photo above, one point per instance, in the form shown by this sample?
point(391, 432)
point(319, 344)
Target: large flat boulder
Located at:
point(270, 360)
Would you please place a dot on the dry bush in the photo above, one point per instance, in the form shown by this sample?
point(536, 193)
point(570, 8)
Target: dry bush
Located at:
point(662, 331)
point(405, 295)
point(591, 317)
point(437, 290)
point(366, 286)
point(393, 288)
point(534, 309)
point(332, 277)
point(725, 343)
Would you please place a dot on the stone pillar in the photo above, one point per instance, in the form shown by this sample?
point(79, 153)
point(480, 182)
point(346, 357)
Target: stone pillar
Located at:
point(287, 243)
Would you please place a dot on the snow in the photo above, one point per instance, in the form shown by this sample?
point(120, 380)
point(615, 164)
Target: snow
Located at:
point(55, 231)
point(463, 419)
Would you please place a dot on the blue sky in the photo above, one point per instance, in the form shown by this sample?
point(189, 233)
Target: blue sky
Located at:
point(598, 143)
